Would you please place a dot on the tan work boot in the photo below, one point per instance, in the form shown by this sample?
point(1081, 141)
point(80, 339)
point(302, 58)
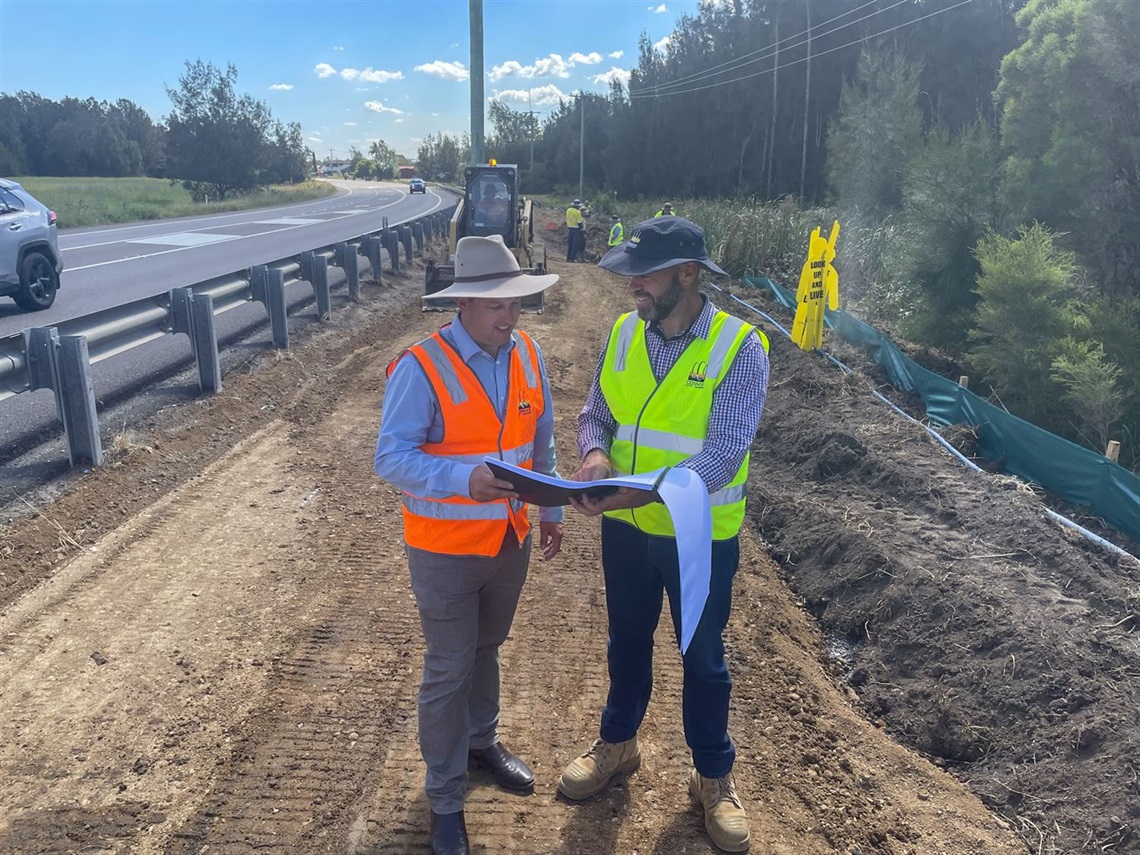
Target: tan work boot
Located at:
point(724, 815)
point(589, 774)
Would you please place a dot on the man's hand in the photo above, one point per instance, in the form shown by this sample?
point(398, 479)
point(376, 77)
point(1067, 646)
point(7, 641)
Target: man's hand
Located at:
point(595, 466)
point(483, 486)
point(623, 498)
point(550, 538)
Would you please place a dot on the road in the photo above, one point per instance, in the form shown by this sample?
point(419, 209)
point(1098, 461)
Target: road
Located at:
point(109, 266)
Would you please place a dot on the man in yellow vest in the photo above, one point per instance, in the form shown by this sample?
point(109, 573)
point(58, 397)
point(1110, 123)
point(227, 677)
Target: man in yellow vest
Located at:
point(666, 210)
point(617, 232)
point(679, 383)
point(575, 232)
point(476, 388)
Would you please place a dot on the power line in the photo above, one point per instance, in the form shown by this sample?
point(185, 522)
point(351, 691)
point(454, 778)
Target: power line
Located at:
point(770, 50)
point(798, 61)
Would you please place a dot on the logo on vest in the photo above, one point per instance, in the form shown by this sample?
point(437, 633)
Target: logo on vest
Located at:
point(697, 375)
point(524, 407)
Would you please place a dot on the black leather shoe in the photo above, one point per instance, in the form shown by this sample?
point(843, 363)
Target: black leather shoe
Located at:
point(509, 771)
point(449, 834)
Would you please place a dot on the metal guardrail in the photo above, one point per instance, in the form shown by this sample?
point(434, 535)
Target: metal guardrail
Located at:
point(60, 357)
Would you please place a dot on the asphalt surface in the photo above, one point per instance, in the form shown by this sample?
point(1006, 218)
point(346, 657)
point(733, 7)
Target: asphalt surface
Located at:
point(106, 267)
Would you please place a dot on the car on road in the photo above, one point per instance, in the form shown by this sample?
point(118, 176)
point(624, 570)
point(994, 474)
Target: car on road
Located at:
point(416, 185)
point(30, 260)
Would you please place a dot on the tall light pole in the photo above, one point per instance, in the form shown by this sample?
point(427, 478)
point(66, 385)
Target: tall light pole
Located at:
point(476, 7)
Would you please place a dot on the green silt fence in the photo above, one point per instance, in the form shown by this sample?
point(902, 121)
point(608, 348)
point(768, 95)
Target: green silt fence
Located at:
point(1082, 477)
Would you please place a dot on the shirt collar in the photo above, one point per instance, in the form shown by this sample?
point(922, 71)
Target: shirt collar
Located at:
point(467, 346)
point(700, 328)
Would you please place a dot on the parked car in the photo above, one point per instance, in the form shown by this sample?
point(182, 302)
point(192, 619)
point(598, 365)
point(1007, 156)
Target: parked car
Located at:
point(416, 185)
point(30, 260)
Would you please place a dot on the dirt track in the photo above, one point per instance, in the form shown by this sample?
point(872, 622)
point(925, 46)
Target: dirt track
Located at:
point(210, 644)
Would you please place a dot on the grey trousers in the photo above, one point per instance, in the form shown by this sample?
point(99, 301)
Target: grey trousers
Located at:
point(466, 605)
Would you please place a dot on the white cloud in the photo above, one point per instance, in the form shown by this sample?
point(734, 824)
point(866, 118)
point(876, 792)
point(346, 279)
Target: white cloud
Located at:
point(657, 10)
point(446, 70)
point(378, 107)
point(369, 75)
point(350, 124)
point(617, 54)
point(399, 120)
point(338, 47)
point(612, 75)
point(549, 66)
point(315, 139)
point(591, 58)
point(281, 87)
point(664, 43)
point(541, 96)
point(323, 69)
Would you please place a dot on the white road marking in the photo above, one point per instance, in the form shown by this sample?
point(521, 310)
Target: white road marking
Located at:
point(184, 239)
point(286, 221)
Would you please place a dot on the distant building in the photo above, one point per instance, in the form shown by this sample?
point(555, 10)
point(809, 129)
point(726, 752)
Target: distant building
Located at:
point(334, 167)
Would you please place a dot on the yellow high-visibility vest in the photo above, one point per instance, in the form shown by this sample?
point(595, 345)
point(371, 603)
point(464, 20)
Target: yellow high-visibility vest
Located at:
point(661, 424)
point(617, 235)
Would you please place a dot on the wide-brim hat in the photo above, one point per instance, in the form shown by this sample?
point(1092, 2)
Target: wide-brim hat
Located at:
point(486, 269)
point(657, 244)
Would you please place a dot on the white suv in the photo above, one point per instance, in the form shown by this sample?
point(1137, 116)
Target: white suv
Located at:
point(30, 261)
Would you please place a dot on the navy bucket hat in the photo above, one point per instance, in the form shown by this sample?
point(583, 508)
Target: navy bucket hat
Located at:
point(657, 244)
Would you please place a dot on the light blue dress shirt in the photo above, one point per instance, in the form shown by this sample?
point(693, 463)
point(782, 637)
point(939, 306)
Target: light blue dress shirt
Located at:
point(412, 417)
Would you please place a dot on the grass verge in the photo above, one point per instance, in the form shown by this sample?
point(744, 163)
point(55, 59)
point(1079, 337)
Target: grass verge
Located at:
point(83, 202)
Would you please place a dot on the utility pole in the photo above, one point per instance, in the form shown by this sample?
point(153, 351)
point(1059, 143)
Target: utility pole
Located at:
point(476, 7)
point(530, 128)
point(581, 142)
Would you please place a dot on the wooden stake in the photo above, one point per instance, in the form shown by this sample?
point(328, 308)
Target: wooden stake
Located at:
point(1113, 450)
point(964, 382)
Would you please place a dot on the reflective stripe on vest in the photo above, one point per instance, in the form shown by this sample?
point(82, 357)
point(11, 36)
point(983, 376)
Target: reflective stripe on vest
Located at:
point(472, 430)
point(663, 424)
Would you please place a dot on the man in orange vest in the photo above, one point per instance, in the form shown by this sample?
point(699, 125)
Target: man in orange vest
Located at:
point(476, 388)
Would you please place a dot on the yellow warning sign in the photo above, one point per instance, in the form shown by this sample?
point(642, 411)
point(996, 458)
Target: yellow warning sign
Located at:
point(819, 280)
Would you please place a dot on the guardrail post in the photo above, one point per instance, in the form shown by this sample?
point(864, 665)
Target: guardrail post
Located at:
point(258, 276)
point(418, 235)
point(41, 344)
point(392, 244)
point(75, 396)
point(275, 303)
point(350, 264)
point(205, 340)
point(321, 287)
point(406, 239)
point(307, 265)
point(372, 247)
point(193, 315)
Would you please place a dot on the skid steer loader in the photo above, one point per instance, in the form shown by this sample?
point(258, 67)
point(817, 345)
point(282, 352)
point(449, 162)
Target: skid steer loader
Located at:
point(491, 205)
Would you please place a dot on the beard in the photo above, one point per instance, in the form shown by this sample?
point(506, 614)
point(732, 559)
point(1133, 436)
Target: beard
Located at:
point(664, 305)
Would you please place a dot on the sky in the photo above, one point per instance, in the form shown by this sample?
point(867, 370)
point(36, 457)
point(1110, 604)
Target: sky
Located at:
point(349, 71)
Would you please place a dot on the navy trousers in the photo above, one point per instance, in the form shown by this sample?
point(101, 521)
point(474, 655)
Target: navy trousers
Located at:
point(639, 569)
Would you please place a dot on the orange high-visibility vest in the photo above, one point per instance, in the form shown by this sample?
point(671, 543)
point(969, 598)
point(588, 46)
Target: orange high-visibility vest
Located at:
point(472, 430)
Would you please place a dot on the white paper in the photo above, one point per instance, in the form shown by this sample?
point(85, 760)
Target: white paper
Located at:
point(687, 499)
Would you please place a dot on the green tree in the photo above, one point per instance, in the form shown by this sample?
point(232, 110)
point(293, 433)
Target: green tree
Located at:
point(1091, 384)
point(216, 139)
point(877, 129)
point(441, 157)
point(1070, 117)
point(950, 201)
point(1023, 316)
point(385, 159)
